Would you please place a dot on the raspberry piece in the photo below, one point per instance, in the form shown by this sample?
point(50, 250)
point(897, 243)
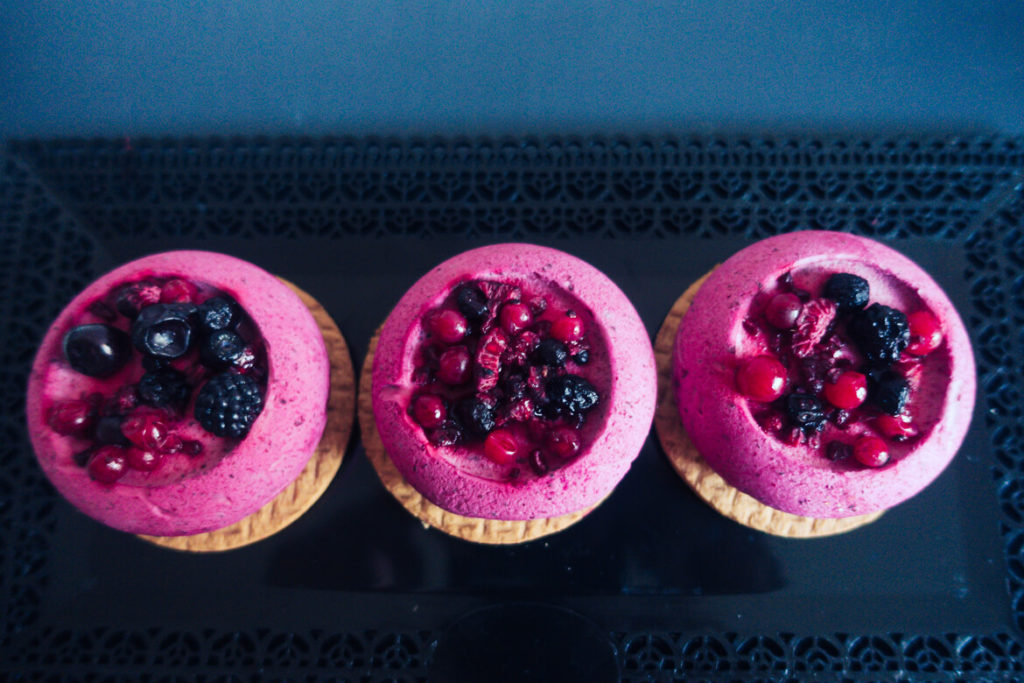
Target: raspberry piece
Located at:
point(811, 328)
point(488, 359)
point(228, 404)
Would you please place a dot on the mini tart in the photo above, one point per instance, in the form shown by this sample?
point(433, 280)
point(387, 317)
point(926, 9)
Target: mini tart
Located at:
point(233, 478)
point(459, 478)
point(727, 428)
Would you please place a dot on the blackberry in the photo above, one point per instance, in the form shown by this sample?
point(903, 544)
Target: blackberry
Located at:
point(221, 349)
point(218, 313)
point(888, 390)
point(582, 357)
point(881, 333)
point(164, 330)
point(572, 394)
point(471, 302)
point(164, 388)
point(228, 404)
point(97, 350)
point(552, 352)
point(850, 292)
point(476, 416)
point(805, 412)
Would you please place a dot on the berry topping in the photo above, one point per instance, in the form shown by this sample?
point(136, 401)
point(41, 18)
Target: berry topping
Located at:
point(108, 431)
point(925, 333)
point(888, 390)
point(448, 326)
point(807, 413)
point(501, 446)
point(221, 348)
point(429, 411)
point(582, 357)
point(217, 313)
point(567, 329)
point(881, 333)
point(552, 352)
point(897, 428)
point(815, 319)
point(72, 418)
point(848, 391)
point(762, 378)
point(563, 442)
point(471, 302)
point(515, 317)
point(164, 388)
point(107, 464)
point(178, 292)
point(572, 394)
point(142, 459)
point(134, 297)
point(783, 310)
point(476, 415)
point(145, 430)
point(850, 292)
point(228, 404)
point(871, 451)
point(164, 330)
point(453, 367)
point(97, 350)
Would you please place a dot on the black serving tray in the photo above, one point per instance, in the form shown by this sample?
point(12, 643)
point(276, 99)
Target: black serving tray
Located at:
point(653, 585)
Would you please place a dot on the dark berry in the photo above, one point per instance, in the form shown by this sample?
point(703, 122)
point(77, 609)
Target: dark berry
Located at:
point(164, 330)
point(881, 333)
point(218, 313)
point(538, 463)
point(81, 458)
point(850, 292)
point(228, 404)
point(888, 390)
point(805, 412)
point(447, 434)
point(165, 388)
point(107, 464)
point(762, 378)
point(150, 363)
point(221, 348)
point(108, 431)
point(572, 394)
point(552, 353)
point(582, 357)
point(476, 416)
point(97, 350)
point(837, 450)
point(471, 301)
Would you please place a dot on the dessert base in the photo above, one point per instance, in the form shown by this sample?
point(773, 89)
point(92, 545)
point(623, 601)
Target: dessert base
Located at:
point(319, 472)
point(475, 529)
point(705, 482)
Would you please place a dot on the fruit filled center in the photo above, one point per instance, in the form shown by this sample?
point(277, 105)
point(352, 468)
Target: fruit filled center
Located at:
point(509, 376)
point(161, 376)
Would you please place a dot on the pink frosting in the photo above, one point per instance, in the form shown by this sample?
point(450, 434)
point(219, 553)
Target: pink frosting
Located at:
point(232, 480)
point(711, 342)
point(453, 477)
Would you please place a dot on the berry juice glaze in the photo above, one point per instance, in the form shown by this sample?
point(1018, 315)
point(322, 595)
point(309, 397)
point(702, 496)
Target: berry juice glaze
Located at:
point(212, 481)
point(532, 462)
point(734, 406)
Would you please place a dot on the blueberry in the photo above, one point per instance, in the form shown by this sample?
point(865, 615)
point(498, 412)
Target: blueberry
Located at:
point(476, 416)
point(228, 404)
point(164, 330)
point(888, 390)
point(164, 388)
point(97, 350)
point(806, 412)
point(572, 394)
point(218, 313)
point(221, 349)
point(552, 353)
point(471, 302)
point(850, 292)
point(881, 333)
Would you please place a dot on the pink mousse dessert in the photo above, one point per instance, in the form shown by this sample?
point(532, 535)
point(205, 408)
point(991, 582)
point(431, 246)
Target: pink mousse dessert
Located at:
point(178, 394)
point(514, 382)
point(824, 374)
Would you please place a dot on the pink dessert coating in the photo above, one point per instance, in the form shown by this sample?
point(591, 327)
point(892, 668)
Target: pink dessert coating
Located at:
point(232, 479)
point(459, 478)
point(712, 341)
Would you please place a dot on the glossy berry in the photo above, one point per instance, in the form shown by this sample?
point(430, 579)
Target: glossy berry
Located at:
point(567, 329)
point(848, 391)
point(164, 330)
point(850, 292)
point(501, 446)
point(164, 388)
point(571, 394)
point(888, 390)
point(453, 367)
point(145, 430)
point(871, 451)
point(896, 428)
point(142, 459)
point(221, 349)
point(107, 464)
point(476, 416)
point(925, 333)
point(881, 333)
point(178, 291)
point(514, 317)
point(228, 404)
point(448, 326)
point(97, 350)
point(563, 442)
point(428, 410)
point(217, 313)
point(72, 418)
point(552, 353)
point(783, 310)
point(761, 378)
point(471, 302)
point(582, 357)
point(806, 413)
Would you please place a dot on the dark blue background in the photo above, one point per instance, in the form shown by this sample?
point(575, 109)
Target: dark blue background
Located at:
point(496, 67)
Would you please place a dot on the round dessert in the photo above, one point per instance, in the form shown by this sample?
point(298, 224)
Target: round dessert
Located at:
point(513, 382)
point(824, 374)
point(178, 393)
